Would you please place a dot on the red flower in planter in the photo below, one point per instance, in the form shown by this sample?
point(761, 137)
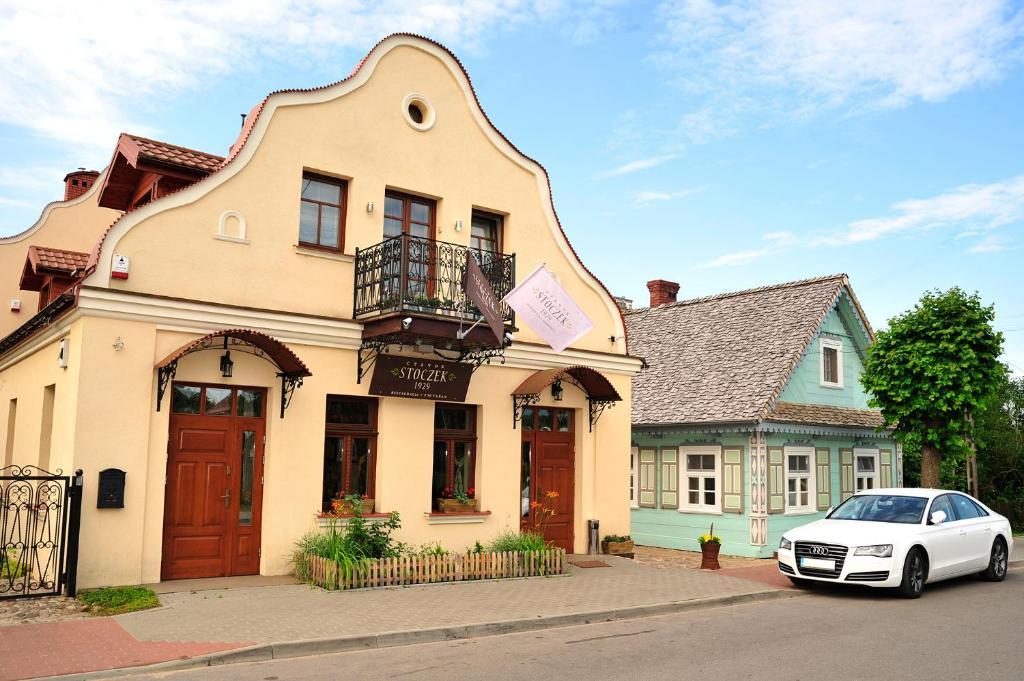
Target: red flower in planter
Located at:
point(471, 492)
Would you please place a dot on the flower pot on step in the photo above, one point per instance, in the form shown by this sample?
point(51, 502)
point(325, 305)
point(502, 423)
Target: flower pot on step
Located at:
point(617, 548)
point(709, 556)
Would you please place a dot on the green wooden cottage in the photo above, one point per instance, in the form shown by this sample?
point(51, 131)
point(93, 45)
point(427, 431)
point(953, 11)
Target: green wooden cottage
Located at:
point(751, 414)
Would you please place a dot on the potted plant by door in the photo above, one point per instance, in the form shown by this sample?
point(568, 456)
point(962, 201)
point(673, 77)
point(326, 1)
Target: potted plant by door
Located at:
point(710, 545)
point(458, 501)
point(617, 545)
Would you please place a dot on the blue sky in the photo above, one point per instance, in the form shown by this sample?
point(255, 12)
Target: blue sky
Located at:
point(720, 145)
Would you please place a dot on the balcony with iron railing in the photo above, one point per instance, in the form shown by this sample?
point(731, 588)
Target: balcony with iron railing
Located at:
point(408, 275)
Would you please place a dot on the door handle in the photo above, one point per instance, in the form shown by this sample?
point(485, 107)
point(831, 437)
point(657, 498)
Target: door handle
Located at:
point(226, 497)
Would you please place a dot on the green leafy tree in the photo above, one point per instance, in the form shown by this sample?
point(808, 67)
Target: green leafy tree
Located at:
point(1000, 439)
point(931, 369)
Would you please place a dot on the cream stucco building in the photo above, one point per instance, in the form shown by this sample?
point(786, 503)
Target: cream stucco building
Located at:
point(222, 319)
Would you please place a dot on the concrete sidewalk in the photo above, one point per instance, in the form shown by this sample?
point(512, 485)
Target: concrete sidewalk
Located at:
point(290, 620)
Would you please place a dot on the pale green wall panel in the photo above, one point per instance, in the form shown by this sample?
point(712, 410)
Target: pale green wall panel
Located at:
point(804, 387)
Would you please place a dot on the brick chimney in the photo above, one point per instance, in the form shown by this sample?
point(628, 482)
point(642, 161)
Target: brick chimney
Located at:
point(78, 182)
point(662, 291)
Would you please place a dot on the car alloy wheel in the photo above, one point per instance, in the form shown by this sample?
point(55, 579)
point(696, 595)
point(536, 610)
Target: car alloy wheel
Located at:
point(999, 559)
point(916, 574)
point(913, 575)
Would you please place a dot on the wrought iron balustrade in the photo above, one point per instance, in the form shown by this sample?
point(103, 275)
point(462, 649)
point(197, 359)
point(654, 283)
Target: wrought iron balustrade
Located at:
point(412, 274)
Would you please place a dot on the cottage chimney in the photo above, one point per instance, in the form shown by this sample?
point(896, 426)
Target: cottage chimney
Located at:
point(662, 291)
point(78, 182)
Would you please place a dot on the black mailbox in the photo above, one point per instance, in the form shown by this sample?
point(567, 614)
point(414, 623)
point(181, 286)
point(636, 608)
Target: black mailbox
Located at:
point(110, 493)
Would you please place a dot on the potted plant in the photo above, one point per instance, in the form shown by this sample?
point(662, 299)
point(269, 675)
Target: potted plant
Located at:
point(710, 545)
point(617, 545)
point(458, 501)
point(351, 504)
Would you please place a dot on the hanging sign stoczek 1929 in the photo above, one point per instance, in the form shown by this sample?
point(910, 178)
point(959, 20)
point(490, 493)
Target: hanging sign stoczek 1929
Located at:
point(424, 379)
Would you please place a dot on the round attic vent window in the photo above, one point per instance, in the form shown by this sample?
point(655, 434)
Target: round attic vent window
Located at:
point(418, 112)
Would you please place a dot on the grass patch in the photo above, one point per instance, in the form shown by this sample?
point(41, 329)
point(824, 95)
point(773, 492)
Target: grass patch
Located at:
point(517, 541)
point(116, 600)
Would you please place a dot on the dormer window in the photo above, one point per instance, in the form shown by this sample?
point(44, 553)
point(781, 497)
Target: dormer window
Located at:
point(831, 363)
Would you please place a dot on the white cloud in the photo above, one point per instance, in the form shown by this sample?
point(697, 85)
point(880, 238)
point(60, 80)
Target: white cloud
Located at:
point(973, 210)
point(637, 165)
point(645, 197)
point(799, 56)
point(81, 73)
point(18, 203)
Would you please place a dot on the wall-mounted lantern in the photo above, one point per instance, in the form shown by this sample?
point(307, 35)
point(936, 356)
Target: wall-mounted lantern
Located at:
point(556, 391)
point(226, 365)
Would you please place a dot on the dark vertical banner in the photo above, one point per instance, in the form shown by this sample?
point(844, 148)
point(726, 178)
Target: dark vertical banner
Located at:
point(480, 291)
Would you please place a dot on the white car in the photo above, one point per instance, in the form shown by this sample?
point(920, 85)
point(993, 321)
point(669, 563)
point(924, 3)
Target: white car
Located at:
point(899, 538)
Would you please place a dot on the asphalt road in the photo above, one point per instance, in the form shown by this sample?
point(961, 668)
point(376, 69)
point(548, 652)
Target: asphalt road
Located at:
point(962, 630)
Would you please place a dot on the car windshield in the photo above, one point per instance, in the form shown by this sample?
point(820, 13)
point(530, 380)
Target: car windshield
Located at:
point(881, 508)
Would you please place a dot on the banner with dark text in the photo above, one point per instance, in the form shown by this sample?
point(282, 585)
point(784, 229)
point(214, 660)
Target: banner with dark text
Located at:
point(423, 379)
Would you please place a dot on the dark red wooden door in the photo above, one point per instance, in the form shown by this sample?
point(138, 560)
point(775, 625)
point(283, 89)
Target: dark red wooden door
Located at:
point(213, 495)
point(549, 434)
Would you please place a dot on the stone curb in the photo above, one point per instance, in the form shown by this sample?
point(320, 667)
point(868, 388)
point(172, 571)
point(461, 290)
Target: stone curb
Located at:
point(342, 644)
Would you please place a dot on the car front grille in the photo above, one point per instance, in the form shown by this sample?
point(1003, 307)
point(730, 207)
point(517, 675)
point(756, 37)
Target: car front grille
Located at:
point(808, 549)
point(878, 576)
point(785, 568)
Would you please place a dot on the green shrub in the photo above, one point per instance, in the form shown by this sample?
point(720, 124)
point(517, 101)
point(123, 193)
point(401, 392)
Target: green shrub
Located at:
point(617, 538)
point(10, 567)
point(517, 541)
point(349, 546)
point(115, 600)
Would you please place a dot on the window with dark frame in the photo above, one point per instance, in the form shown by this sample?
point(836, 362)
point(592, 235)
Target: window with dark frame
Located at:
point(485, 235)
point(322, 214)
point(350, 448)
point(414, 216)
point(831, 365)
point(454, 449)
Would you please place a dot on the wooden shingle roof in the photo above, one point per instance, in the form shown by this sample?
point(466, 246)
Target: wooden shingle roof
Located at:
point(824, 415)
point(726, 358)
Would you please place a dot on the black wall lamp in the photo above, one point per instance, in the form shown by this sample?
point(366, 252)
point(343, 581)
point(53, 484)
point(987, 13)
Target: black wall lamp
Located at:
point(556, 391)
point(226, 365)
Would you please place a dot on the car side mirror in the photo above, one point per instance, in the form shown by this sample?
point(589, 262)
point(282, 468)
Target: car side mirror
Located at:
point(938, 517)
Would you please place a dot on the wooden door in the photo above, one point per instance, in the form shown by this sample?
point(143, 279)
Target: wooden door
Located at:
point(550, 439)
point(214, 488)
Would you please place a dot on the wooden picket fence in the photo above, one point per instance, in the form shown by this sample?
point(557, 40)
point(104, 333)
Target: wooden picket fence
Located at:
point(327, 574)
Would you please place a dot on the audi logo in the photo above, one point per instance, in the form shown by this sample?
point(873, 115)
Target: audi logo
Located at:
point(819, 550)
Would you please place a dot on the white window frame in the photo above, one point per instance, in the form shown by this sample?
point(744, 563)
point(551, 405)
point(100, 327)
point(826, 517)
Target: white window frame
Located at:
point(634, 477)
point(838, 347)
point(873, 453)
point(811, 475)
point(684, 484)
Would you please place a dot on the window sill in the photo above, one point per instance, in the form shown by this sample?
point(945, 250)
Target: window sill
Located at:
point(701, 511)
point(832, 386)
point(461, 518)
point(324, 253)
point(231, 239)
point(803, 511)
point(326, 520)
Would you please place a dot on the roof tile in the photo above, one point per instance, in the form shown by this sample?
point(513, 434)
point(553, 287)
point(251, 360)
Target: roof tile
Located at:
point(57, 259)
point(182, 156)
point(824, 415)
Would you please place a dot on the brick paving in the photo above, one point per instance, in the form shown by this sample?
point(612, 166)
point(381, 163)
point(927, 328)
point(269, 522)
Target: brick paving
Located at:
point(86, 645)
point(198, 622)
point(284, 613)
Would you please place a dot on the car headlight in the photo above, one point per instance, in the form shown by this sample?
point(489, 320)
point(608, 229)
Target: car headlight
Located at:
point(877, 550)
point(785, 544)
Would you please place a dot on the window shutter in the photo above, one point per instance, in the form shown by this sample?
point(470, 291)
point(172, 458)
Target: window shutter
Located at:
point(669, 478)
point(648, 477)
point(776, 481)
point(732, 474)
point(885, 467)
point(824, 472)
point(846, 473)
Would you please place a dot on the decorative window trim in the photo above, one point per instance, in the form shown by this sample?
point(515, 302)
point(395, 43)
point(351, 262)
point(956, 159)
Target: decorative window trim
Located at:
point(305, 249)
point(872, 452)
point(470, 518)
point(668, 480)
point(222, 224)
point(684, 503)
point(647, 480)
point(838, 347)
point(429, 115)
point(634, 480)
point(810, 474)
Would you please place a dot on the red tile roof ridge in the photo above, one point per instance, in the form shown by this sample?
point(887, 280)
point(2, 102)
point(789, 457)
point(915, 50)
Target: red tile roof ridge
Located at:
point(255, 112)
point(168, 145)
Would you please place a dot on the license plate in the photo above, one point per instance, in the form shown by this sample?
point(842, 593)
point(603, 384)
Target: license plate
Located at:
point(818, 563)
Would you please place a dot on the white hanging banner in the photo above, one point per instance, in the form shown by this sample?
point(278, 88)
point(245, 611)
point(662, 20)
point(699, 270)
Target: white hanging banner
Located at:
point(547, 308)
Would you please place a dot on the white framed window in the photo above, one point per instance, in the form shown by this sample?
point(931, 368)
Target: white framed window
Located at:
point(634, 476)
point(865, 469)
point(701, 473)
point(831, 363)
point(800, 482)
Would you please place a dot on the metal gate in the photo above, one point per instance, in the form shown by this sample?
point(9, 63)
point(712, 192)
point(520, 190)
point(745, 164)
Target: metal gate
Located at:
point(40, 516)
